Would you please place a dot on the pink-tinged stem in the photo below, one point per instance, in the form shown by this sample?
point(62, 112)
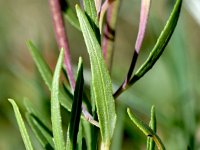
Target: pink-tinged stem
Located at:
point(98, 5)
point(61, 37)
point(62, 41)
point(109, 32)
point(144, 14)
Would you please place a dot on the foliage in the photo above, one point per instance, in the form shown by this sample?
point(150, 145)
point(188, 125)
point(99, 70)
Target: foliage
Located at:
point(91, 121)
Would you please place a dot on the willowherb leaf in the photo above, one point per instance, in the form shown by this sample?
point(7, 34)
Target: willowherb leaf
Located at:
point(101, 83)
point(21, 125)
point(90, 10)
point(55, 106)
point(89, 7)
point(152, 125)
point(76, 109)
point(65, 98)
point(40, 132)
point(30, 109)
point(161, 42)
point(146, 130)
point(41, 64)
point(69, 14)
point(40, 126)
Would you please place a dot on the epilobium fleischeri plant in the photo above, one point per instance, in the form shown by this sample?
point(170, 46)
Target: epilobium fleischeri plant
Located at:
point(92, 119)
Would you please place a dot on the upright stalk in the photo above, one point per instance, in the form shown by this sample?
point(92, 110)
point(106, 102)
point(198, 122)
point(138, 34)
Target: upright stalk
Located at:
point(62, 41)
point(61, 37)
point(109, 32)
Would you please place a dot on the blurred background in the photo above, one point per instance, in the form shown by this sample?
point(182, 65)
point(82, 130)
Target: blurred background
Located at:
point(173, 85)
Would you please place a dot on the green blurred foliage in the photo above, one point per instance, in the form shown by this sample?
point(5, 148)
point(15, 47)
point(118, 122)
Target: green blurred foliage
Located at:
point(172, 85)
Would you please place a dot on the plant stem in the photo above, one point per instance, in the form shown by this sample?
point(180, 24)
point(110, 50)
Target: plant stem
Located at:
point(61, 37)
point(144, 13)
point(126, 82)
point(62, 41)
point(109, 32)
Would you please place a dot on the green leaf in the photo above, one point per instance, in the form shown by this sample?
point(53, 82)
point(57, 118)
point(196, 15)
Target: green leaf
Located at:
point(152, 125)
point(119, 129)
point(41, 134)
point(76, 109)
point(69, 14)
point(39, 125)
point(64, 97)
point(90, 9)
point(55, 106)
point(101, 83)
point(161, 42)
point(87, 133)
point(91, 13)
point(37, 114)
point(21, 125)
point(146, 130)
point(79, 138)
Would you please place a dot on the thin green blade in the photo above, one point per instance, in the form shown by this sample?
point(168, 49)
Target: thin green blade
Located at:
point(69, 14)
point(21, 125)
point(41, 134)
point(55, 106)
point(65, 99)
point(91, 13)
point(152, 125)
point(146, 130)
point(101, 83)
point(40, 126)
point(161, 43)
point(90, 9)
point(76, 109)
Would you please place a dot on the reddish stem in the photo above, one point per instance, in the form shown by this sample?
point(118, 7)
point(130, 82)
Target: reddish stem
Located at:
point(61, 37)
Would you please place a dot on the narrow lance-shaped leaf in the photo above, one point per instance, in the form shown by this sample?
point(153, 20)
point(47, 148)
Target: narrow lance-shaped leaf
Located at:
point(32, 110)
point(101, 83)
point(55, 106)
point(89, 7)
point(65, 97)
point(87, 134)
point(42, 66)
point(76, 109)
point(161, 42)
point(152, 125)
point(40, 126)
point(41, 134)
point(146, 130)
point(21, 125)
point(69, 14)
